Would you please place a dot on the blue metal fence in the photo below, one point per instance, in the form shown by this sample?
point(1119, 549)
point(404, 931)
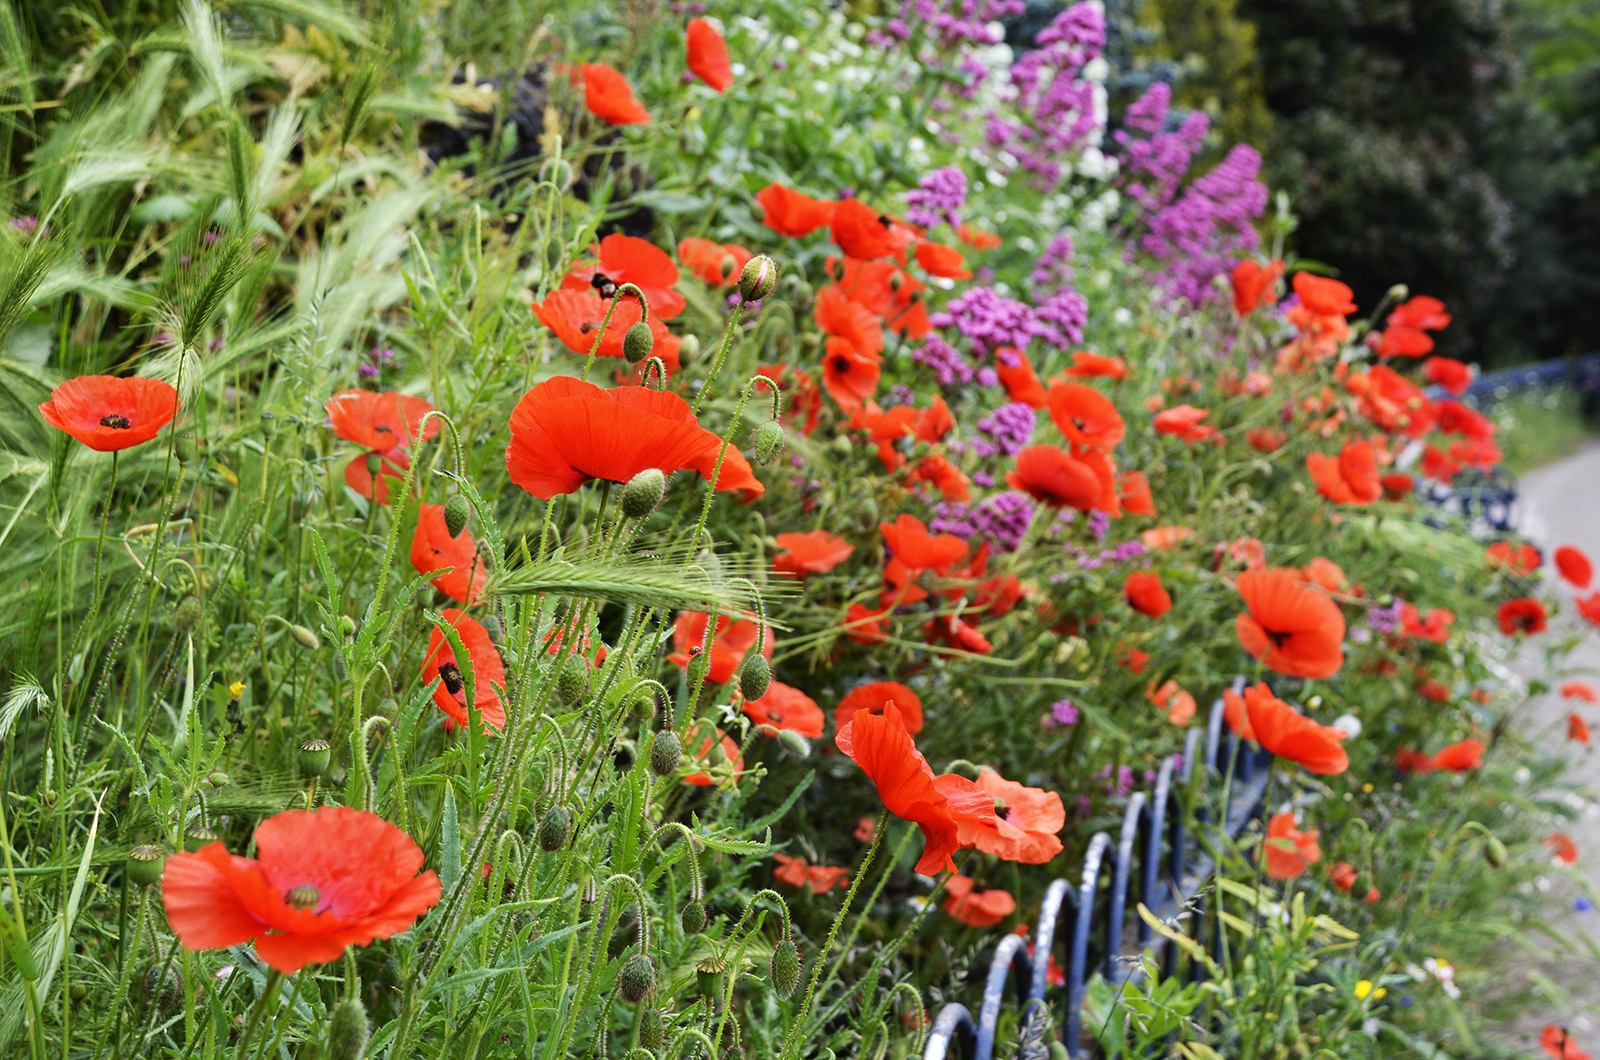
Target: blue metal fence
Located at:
point(1153, 829)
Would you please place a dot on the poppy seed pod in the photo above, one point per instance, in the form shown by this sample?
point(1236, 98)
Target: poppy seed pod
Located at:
point(197, 837)
point(759, 277)
point(637, 342)
point(347, 1030)
point(755, 676)
point(572, 683)
point(305, 638)
point(1399, 293)
point(708, 975)
point(187, 616)
point(643, 492)
point(637, 977)
point(785, 968)
point(652, 1035)
point(769, 441)
point(794, 743)
point(693, 918)
point(144, 864)
point(456, 511)
point(1495, 853)
point(554, 828)
point(315, 755)
point(666, 753)
point(374, 464)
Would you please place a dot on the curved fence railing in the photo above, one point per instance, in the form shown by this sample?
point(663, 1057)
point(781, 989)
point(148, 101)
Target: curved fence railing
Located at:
point(1152, 838)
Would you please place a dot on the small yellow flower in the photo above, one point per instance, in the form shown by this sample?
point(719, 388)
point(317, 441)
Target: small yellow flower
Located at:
point(1364, 988)
point(1367, 788)
point(236, 689)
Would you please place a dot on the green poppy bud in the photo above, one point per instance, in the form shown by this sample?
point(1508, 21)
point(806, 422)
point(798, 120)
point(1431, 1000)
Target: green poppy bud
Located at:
point(794, 743)
point(1058, 1051)
point(347, 1030)
point(784, 970)
point(769, 441)
point(759, 277)
point(557, 171)
point(554, 828)
point(315, 755)
point(218, 779)
point(305, 638)
point(652, 1034)
point(708, 976)
point(643, 493)
point(1399, 293)
point(638, 342)
point(637, 977)
point(572, 683)
point(699, 665)
point(755, 676)
point(693, 918)
point(688, 349)
point(144, 864)
point(374, 464)
point(456, 511)
point(1495, 853)
point(187, 616)
point(1361, 886)
point(666, 753)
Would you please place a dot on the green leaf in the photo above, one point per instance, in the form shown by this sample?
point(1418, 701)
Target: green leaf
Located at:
point(450, 844)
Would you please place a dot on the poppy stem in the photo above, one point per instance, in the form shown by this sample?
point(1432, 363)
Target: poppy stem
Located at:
point(605, 322)
point(722, 354)
point(269, 993)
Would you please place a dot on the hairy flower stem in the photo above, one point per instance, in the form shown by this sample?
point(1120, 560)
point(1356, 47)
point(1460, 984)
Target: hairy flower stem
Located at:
point(722, 354)
point(605, 322)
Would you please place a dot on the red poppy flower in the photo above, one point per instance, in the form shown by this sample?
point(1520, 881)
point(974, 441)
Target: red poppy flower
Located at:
point(786, 707)
point(793, 213)
point(1520, 559)
point(864, 625)
point(958, 634)
point(943, 476)
point(1522, 616)
point(488, 672)
point(1086, 365)
point(1392, 401)
point(1254, 285)
point(620, 259)
point(1562, 849)
point(1397, 486)
point(1146, 594)
point(565, 432)
point(1434, 627)
point(1460, 756)
point(1325, 573)
point(1085, 416)
point(708, 54)
point(866, 828)
point(321, 881)
point(1423, 312)
point(698, 742)
point(392, 465)
point(732, 641)
point(1289, 850)
point(1574, 566)
point(886, 428)
point(1451, 374)
point(1555, 1041)
point(837, 315)
point(1178, 704)
point(1018, 377)
point(1292, 628)
point(1133, 490)
point(1083, 480)
point(1343, 876)
point(432, 548)
point(909, 541)
point(872, 698)
point(934, 422)
point(1133, 660)
point(805, 397)
point(1349, 478)
point(576, 316)
point(1397, 340)
point(1237, 714)
point(850, 378)
point(810, 553)
point(108, 413)
point(1266, 439)
point(380, 422)
point(609, 97)
point(1476, 452)
point(882, 747)
point(863, 232)
point(1323, 296)
point(1580, 690)
point(1409, 761)
point(979, 909)
point(1183, 422)
point(973, 236)
point(711, 261)
point(941, 260)
point(820, 878)
point(1456, 418)
point(1433, 691)
point(1589, 607)
point(1577, 728)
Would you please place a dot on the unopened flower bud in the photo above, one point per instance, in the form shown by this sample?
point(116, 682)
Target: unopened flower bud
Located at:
point(688, 349)
point(638, 975)
point(144, 864)
point(187, 616)
point(794, 743)
point(785, 968)
point(637, 342)
point(769, 441)
point(456, 511)
point(572, 683)
point(557, 171)
point(897, 280)
point(554, 828)
point(218, 779)
point(759, 277)
point(666, 753)
point(347, 1030)
point(315, 755)
point(755, 676)
point(347, 625)
point(1399, 293)
point(1361, 886)
point(305, 638)
point(643, 492)
point(717, 756)
point(1495, 853)
point(698, 667)
point(693, 918)
point(652, 1034)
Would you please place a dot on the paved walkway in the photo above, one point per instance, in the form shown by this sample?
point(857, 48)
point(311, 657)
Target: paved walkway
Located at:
point(1560, 505)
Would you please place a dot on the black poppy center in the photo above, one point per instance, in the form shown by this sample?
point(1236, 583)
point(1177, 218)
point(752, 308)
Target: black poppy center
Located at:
point(885, 220)
point(604, 285)
point(1278, 639)
point(384, 427)
point(116, 422)
point(1001, 810)
point(450, 674)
